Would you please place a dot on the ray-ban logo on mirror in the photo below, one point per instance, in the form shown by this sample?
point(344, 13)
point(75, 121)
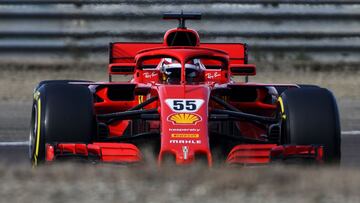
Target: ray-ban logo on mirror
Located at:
point(184, 105)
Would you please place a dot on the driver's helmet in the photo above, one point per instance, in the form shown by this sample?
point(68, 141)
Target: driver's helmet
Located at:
point(171, 68)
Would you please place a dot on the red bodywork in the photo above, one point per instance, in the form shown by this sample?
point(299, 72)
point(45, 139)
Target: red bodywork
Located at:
point(184, 135)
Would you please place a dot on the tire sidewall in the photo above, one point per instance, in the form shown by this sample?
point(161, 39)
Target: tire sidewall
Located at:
point(37, 150)
point(55, 100)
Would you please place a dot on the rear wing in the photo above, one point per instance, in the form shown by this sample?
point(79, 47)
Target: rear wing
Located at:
point(124, 52)
point(122, 55)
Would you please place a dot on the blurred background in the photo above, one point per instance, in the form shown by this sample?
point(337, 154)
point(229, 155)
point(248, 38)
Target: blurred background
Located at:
point(290, 41)
point(280, 34)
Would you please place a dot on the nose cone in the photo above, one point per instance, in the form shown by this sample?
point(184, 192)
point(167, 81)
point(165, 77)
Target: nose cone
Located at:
point(184, 122)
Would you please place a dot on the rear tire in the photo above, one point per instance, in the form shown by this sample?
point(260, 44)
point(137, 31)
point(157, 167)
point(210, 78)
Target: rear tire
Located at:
point(310, 116)
point(61, 113)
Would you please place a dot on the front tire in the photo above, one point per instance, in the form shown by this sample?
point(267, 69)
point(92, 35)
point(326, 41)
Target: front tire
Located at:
point(60, 113)
point(310, 117)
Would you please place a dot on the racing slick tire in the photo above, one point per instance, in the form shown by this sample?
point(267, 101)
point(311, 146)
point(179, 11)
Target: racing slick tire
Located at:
point(282, 89)
point(57, 82)
point(310, 117)
point(60, 113)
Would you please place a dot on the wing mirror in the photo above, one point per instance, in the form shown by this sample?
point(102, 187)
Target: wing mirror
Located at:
point(121, 68)
point(243, 69)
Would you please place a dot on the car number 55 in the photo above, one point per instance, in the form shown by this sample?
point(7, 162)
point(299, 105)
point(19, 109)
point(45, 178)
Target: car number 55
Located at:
point(184, 105)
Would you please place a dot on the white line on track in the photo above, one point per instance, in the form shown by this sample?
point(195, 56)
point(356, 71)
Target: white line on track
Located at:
point(354, 132)
point(22, 143)
point(26, 143)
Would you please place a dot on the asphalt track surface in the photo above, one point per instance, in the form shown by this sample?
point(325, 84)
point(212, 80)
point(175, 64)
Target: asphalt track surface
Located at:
point(15, 120)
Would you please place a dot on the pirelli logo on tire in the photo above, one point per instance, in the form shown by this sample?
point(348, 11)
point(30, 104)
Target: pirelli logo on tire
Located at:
point(178, 135)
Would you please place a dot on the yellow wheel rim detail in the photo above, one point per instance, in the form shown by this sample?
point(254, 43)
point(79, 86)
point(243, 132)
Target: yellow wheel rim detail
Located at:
point(283, 116)
point(37, 144)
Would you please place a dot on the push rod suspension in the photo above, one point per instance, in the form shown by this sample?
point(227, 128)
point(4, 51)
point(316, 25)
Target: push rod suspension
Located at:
point(127, 114)
point(246, 116)
point(145, 103)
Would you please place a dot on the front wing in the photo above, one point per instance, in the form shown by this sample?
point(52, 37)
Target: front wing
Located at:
point(243, 154)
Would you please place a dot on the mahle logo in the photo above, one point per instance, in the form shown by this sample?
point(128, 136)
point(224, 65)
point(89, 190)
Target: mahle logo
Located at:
point(185, 141)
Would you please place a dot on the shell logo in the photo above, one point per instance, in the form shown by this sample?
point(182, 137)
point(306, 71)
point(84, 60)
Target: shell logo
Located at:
point(184, 118)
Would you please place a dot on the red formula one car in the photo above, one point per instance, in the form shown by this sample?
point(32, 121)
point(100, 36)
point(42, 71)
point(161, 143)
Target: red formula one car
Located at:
point(184, 106)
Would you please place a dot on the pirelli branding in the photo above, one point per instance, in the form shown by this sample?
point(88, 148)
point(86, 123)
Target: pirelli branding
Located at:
point(185, 135)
